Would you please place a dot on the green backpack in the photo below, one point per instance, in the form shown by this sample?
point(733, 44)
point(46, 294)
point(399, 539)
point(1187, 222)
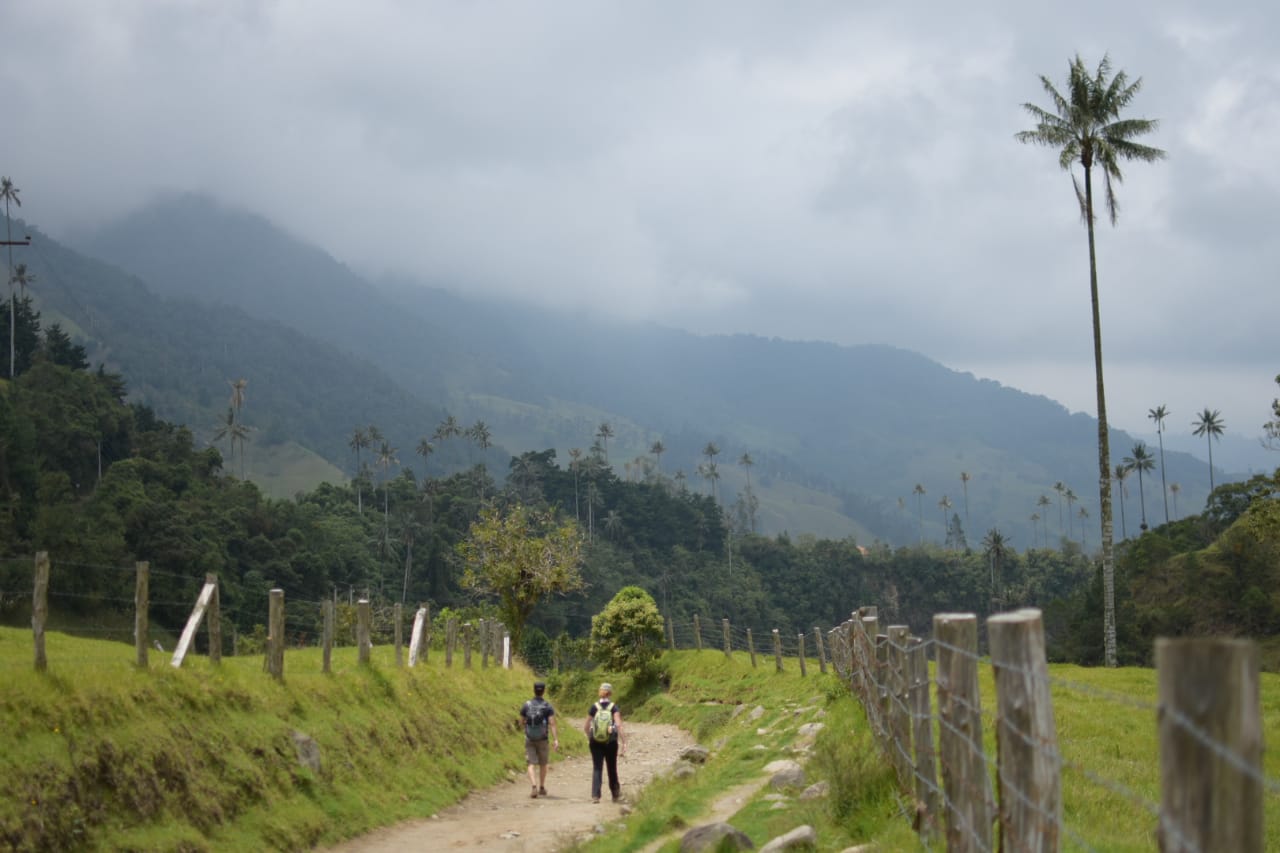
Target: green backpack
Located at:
point(602, 722)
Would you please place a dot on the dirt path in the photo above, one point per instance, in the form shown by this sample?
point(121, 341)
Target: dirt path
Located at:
point(505, 818)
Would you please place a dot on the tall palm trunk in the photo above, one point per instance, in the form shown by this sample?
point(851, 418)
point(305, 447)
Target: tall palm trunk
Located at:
point(1104, 446)
point(1164, 489)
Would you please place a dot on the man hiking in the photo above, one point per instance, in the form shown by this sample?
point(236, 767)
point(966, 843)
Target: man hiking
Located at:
point(605, 736)
point(539, 720)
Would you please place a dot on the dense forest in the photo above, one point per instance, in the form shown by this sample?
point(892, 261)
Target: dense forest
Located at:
point(99, 483)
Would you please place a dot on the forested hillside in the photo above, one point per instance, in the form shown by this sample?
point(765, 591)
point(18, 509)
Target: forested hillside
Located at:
point(862, 426)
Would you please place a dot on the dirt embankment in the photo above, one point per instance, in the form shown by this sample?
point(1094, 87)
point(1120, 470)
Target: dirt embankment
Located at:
point(505, 818)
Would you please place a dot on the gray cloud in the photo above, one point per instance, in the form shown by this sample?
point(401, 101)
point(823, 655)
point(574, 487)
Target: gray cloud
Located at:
point(817, 171)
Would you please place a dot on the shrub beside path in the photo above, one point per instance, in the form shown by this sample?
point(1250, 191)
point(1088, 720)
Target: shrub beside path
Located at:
point(505, 818)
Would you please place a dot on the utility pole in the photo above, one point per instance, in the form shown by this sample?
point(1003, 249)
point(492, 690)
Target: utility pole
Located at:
point(13, 313)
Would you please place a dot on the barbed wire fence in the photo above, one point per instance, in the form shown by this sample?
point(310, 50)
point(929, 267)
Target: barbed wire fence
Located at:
point(1210, 793)
point(166, 605)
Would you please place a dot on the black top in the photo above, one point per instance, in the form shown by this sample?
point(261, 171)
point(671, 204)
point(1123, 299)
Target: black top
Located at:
point(526, 710)
point(613, 706)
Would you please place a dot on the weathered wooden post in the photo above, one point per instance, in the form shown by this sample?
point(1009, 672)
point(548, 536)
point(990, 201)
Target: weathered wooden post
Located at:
point(364, 643)
point(466, 645)
point(728, 648)
point(822, 650)
point(416, 633)
point(800, 644)
point(867, 655)
point(275, 634)
point(450, 639)
point(880, 678)
point(751, 648)
point(964, 774)
point(1030, 775)
point(214, 619)
point(777, 650)
point(1210, 726)
point(484, 643)
point(326, 636)
point(40, 609)
point(697, 633)
point(899, 713)
point(922, 736)
point(671, 634)
point(203, 600)
point(141, 606)
point(397, 632)
point(506, 649)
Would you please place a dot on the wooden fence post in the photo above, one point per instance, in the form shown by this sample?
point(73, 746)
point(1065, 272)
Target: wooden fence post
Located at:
point(822, 650)
point(214, 621)
point(397, 614)
point(415, 636)
point(922, 736)
point(364, 642)
point(193, 623)
point(671, 634)
point(450, 639)
point(697, 633)
point(466, 645)
point(1210, 725)
point(1030, 774)
point(484, 643)
point(506, 649)
point(728, 648)
point(326, 636)
point(40, 609)
point(867, 654)
point(777, 650)
point(275, 634)
point(899, 713)
point(141, 620)
point(880, 679)
point(800, 643)
point(751, 648)
point(965, 783)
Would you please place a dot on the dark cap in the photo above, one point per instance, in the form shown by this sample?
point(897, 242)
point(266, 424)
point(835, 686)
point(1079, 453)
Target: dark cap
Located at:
point(539, 686)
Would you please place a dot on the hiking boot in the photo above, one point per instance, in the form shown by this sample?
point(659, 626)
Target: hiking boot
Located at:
point(534, 794)
point(542, 792)
point(595, 799)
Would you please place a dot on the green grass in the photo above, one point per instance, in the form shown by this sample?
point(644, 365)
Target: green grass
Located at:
point(97, 755)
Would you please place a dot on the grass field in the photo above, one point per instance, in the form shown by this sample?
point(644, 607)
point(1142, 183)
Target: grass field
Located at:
point(97, 755)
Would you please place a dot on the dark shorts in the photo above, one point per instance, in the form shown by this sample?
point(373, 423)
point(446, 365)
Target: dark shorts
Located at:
point(537, 751)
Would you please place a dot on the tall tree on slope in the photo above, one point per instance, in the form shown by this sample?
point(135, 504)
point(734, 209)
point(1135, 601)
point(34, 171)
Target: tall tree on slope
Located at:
point(1085, 127)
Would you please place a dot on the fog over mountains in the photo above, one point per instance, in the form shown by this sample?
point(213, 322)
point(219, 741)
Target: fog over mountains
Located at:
point(839, 435)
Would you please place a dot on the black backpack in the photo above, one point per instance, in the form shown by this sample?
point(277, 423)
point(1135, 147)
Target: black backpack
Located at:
point(537, 713)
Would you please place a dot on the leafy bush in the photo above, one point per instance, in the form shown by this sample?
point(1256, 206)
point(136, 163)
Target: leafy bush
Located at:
point(626, 636)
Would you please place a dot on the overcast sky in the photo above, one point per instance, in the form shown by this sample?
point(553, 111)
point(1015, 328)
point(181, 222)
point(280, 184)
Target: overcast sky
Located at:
point(821, 170)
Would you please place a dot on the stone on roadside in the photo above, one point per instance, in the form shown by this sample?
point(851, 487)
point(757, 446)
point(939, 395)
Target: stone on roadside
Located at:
point(816, 790)
point(695, 754)
point(756, 713)
point(715, 836)
point(683, 770)
point(308, 751)
point(800, 838)
point(788, 777)
point(810, 729)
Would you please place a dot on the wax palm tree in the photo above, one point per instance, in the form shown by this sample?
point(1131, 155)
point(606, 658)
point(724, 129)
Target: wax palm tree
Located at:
point(447, 429)
point(657, 449)
point(479, 433)
point(10, 194)
point(919, 492)
point(424, 449)
point(1060, 488)
point(613, 524)
point(680, 477)
point(945, 506)
point(1085, 127)
point(237, 393)
point(235, 433)
point(1042, 502)
point(964, 484)
point(1158, 414)
point(1071, 500)
point(995, 546)
point(746, 462)
point(386, 459)
point(19, 281)
point(358, 441)
point(711, 451)
point(1174, 489)
point(605, 432)
point(1210, 425)
point(1121, 474)
point(1035, 522)
point(1141, 460)
point(575, 465)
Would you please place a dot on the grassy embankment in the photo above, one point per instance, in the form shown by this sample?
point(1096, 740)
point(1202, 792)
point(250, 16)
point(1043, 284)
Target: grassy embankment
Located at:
point(96, 754)
point(1105, 720)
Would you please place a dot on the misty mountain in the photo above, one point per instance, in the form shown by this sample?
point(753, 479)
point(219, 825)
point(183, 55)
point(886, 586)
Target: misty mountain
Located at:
point(863, 425)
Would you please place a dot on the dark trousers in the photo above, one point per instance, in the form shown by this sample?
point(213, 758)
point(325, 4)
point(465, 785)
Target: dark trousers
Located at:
point(604, 754)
